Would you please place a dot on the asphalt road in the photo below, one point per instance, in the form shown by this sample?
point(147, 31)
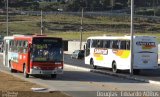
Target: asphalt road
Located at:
point(76, 82)
point(75, 62)
point(144, 74)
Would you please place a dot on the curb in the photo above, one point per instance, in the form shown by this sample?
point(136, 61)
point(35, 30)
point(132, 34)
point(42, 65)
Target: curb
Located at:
point(119, 75)
point(114, 74)
point(77, 67)
point(130, 77)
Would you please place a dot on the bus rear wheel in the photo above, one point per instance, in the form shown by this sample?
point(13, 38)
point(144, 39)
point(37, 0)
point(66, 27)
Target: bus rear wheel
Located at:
point(114, 67)
point(24, 72)
point(136, 71)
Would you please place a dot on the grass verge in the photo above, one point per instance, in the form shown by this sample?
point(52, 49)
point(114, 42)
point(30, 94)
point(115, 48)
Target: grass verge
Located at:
point(16, 87)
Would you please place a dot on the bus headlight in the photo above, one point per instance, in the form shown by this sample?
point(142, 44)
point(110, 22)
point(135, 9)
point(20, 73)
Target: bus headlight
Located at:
point(36, 67)
point(60, 67)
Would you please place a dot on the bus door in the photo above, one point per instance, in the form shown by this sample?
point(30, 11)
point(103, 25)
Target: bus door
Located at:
point(87, 52)
point(6, 53)
point(145, 53)
point(28, 55)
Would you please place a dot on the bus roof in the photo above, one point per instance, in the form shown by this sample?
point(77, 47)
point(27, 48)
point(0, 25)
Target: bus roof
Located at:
point(8, 37)
point(26, 37)
point(117, 37)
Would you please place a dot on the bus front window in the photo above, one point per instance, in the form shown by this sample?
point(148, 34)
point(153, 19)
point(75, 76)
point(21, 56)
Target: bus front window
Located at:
point(46, 52)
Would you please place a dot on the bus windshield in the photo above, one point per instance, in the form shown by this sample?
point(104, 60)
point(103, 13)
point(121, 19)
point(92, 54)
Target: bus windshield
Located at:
point(47, 49)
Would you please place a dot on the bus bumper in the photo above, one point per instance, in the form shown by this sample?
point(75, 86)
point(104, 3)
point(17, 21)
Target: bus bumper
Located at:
point(38, 71)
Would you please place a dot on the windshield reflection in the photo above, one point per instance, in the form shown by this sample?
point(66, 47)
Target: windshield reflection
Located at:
point(46, 52)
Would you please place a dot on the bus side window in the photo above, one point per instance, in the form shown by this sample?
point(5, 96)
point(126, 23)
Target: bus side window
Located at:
point(128, 45)
point(123, 44)
point(94, 43)
point(88, 44)
point(15, 46)
point(10, 45)
point(115, 44)
point(25, 46)
point(87, 49)
point(4, 46)
point(20, 46)
point(106, 44)
point(100, 43)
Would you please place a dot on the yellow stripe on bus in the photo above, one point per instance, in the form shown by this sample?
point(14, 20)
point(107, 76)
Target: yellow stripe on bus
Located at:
point(123, 53)
point(99, 57)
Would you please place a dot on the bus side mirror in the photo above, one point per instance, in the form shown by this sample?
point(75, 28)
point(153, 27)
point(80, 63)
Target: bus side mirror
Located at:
point(30, 48)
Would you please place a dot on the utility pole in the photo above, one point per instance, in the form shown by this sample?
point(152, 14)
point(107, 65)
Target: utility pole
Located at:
point(154, 7)
point(132, 34)
point(81, 30)
point(41, 22)
point(7, 19)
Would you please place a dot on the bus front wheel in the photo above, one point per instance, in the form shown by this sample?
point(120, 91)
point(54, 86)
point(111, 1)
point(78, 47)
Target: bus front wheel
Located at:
point(92, 63)
point(24, 72)
point(11, 69)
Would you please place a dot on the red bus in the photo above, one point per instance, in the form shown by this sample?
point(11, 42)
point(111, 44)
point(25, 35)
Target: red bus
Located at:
point(36, 54)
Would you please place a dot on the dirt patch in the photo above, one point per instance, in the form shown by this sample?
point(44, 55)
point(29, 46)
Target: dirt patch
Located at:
point(15, 87)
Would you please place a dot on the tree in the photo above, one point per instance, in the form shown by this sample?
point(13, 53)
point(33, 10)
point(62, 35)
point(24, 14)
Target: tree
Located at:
point(82, 3)
point(75, 5)
point(2, 3)
point(105, 4)
point(34, 6)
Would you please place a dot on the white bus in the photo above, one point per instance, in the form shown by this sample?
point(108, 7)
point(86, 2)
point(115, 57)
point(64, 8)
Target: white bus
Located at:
point(6, 47)
point(114, 52)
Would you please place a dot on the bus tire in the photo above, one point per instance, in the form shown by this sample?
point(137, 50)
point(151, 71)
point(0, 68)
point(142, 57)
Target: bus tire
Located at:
point(24, 72)
point(53, 75)
point(92, 63)
point(136, 71)
point(114, 67)
point(10, 68)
